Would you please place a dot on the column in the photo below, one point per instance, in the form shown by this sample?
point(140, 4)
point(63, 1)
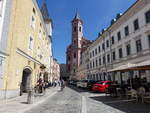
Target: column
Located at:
point(148, 76)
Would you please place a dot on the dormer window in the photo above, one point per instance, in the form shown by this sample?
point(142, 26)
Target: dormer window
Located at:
point(33, 10)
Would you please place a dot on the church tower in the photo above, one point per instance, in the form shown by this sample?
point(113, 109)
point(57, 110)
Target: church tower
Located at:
point(74, 51)
point(77, 31)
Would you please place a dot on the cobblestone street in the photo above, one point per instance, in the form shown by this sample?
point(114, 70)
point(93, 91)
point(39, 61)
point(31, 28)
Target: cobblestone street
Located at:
point(66, 101)
point(71, 101)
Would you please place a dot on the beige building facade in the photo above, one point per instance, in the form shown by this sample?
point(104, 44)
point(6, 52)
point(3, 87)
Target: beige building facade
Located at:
point(56, 71)
point(28, 48)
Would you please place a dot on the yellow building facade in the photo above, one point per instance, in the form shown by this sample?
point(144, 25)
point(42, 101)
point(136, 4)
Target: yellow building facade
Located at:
point(29, 46)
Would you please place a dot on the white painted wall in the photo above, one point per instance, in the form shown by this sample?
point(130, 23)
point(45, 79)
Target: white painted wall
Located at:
point(2, 12)
point(133, 36)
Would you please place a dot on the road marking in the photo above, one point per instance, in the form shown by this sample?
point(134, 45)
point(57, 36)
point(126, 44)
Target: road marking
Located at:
point(84, 109)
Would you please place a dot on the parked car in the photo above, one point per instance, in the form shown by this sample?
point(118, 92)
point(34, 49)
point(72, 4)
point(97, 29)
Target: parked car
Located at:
point(79, 83)
point(90, 84)
point(74, 83)
point(101, 86)
point(70, 82)
point(82, 83)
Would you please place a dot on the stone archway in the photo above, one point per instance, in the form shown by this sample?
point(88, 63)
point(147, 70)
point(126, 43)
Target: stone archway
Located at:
point(26, 80)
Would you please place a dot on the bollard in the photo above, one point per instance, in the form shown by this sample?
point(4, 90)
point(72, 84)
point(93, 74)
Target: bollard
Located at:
point(30, 97)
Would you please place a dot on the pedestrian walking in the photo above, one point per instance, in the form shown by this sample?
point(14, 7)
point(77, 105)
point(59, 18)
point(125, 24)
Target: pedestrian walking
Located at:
point(62, 84)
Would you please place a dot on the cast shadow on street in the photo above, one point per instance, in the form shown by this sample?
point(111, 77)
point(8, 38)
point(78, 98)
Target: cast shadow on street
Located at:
point(126, 106)
point(79, 90)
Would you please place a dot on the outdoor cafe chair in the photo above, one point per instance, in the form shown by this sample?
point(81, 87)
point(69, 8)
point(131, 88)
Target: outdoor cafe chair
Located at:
point(145, 96)
point(128, 93)
point(134, 94)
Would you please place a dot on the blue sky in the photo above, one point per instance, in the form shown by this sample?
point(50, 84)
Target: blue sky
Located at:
point(96, 15)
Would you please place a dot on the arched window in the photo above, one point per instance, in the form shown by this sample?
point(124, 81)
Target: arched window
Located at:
point(80, 29)
point(74, 55)
point(68, 58)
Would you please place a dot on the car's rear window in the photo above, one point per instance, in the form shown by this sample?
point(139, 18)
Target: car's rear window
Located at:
point(103, 83)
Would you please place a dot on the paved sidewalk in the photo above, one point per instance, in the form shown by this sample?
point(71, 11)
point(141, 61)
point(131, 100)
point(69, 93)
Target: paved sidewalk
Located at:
point(19, 104)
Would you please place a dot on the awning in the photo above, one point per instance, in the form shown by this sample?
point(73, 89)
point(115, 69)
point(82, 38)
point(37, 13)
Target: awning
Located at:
point(124, 67)
point(145, 65)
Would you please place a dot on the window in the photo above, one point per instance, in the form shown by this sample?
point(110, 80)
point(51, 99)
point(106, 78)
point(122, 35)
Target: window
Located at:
point(119, 36)
point(40, 34)
point(75, 29)
point(114, 55)
point(33, 10)
point(107, 43)
point(103, 46)
point(74, 55)
point(90, 55)
point(138, 46)
point(147, 16)
point(90, 65)
point(112, 40)
point(104, 60)
point(93, 64)
point(87, 66)
point(99, 49)
point(136, 24)
point(100, 61)
point(149, 40)
point(96, 63)
point(108, 58)
point(30, 43)
point(126, 31)
point(68, 58)
point(128, 49)
point(33, 22)
point(80, 29)
point(96, 51)
point(120, 53)
point(93, 53)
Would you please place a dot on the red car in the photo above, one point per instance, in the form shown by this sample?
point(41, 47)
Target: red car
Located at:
point(101, 86)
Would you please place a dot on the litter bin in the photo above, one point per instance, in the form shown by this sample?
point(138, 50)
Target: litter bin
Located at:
point(30, 97)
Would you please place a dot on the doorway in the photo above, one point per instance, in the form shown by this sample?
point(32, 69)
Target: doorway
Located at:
point(26, 80)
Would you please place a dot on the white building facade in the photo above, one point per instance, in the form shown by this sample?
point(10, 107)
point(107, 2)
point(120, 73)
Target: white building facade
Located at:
point(127, 40)
point(5, 9)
